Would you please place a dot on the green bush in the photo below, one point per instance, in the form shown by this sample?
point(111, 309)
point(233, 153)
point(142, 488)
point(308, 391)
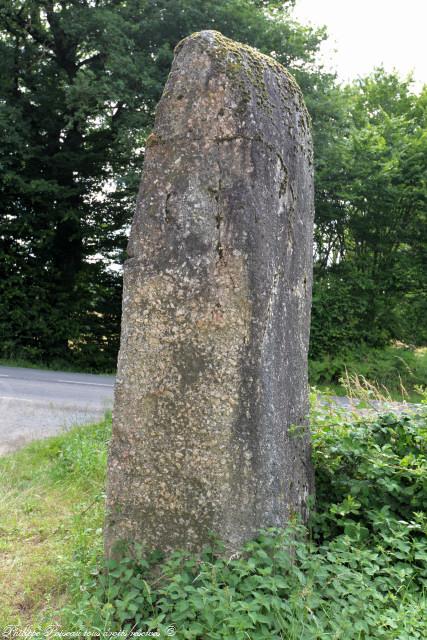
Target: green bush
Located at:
point(343, 315)
point(280, 586)
point(359, 571)
point(370, 476)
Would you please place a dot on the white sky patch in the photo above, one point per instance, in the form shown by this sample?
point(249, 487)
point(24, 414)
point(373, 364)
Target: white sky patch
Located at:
point(364, 34)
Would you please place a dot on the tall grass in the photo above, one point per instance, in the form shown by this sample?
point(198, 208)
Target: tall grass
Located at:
point(397, 371)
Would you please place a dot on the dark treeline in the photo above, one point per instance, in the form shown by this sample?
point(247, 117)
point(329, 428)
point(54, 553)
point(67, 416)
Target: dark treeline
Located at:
point(79, 81)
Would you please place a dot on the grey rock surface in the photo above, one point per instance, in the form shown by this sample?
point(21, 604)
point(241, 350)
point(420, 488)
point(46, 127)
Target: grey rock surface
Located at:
point(210, 419)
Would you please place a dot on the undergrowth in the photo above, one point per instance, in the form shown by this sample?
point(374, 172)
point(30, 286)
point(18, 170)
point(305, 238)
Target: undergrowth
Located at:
point(398, 371)
point(358, 572)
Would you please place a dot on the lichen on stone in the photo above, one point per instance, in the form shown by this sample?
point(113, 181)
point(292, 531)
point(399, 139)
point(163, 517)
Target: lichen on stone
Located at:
point(249, 69)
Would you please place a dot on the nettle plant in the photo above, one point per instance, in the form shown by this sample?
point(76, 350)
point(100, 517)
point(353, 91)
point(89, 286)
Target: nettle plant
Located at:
point(359, 571)
point(370, 474)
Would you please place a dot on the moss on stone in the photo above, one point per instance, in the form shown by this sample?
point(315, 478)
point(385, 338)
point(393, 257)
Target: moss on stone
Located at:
point(152, 140)
point(246, 67)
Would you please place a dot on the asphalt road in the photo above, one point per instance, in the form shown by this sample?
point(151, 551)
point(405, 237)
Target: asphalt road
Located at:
point(37, 404)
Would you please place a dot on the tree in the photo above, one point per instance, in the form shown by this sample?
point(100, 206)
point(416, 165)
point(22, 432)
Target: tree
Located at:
point(372, 236)
point(79, 83)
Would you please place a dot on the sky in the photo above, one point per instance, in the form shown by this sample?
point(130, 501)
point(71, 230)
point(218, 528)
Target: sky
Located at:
point(368, 33)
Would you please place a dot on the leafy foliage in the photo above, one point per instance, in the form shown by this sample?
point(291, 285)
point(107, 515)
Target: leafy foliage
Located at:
point(371, 478)
point(280, 586)
point(79, 83)
point(371, 230)
point(359, 572)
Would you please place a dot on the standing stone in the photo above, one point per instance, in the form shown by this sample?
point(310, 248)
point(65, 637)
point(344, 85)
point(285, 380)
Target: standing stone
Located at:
point(210, 417)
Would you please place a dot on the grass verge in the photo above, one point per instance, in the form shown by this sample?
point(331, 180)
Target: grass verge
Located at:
point(51, 515)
